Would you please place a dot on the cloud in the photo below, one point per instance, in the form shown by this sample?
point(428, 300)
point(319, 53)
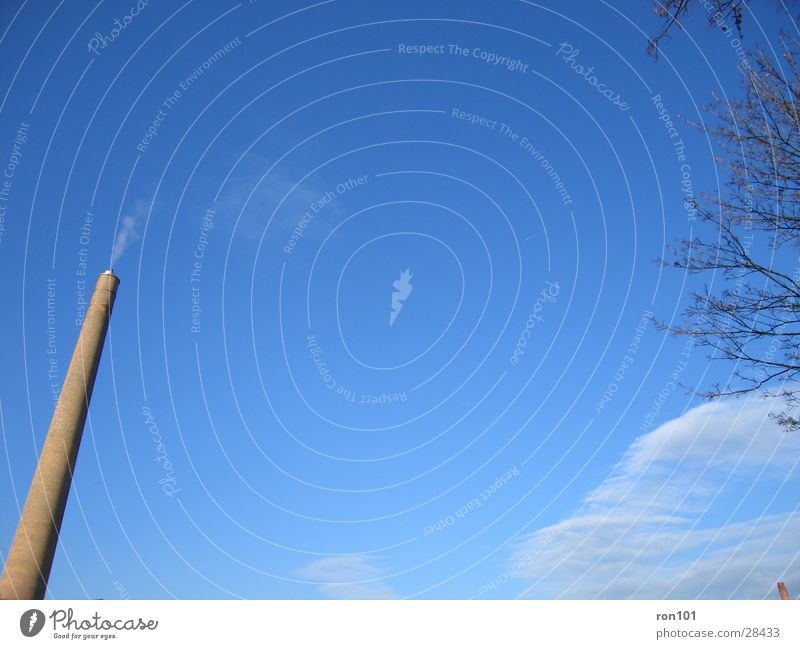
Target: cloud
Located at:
point(348, 577)
point(665, 523)
point(280, 190)
point(128, 230)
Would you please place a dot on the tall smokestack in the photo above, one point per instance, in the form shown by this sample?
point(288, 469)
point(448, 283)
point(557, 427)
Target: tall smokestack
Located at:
point(30, 558)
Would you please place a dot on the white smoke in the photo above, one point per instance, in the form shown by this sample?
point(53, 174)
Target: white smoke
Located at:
point(128, 231)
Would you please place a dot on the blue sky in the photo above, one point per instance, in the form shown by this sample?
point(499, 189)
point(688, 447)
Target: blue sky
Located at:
point(260, 175)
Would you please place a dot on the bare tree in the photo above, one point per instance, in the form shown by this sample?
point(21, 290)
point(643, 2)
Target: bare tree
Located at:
point(755, 321)
point(720, 14)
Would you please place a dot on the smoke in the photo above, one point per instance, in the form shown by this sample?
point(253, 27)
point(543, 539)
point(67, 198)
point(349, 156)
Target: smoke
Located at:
point(128, 231)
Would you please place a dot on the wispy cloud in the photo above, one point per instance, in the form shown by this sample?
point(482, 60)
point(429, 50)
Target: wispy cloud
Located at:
point(348, 577)
point(665, 523)
point(281, 190)
point(128, 230)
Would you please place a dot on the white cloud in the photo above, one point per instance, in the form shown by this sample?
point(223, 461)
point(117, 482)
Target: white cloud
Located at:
point(723, 433)
point(280, 190)
point(664, 524)
point(348, 577)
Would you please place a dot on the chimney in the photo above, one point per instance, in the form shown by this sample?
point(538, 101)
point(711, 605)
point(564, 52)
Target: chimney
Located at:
point(30, 558)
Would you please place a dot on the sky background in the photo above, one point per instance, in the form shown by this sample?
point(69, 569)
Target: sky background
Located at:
point(283, 439)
